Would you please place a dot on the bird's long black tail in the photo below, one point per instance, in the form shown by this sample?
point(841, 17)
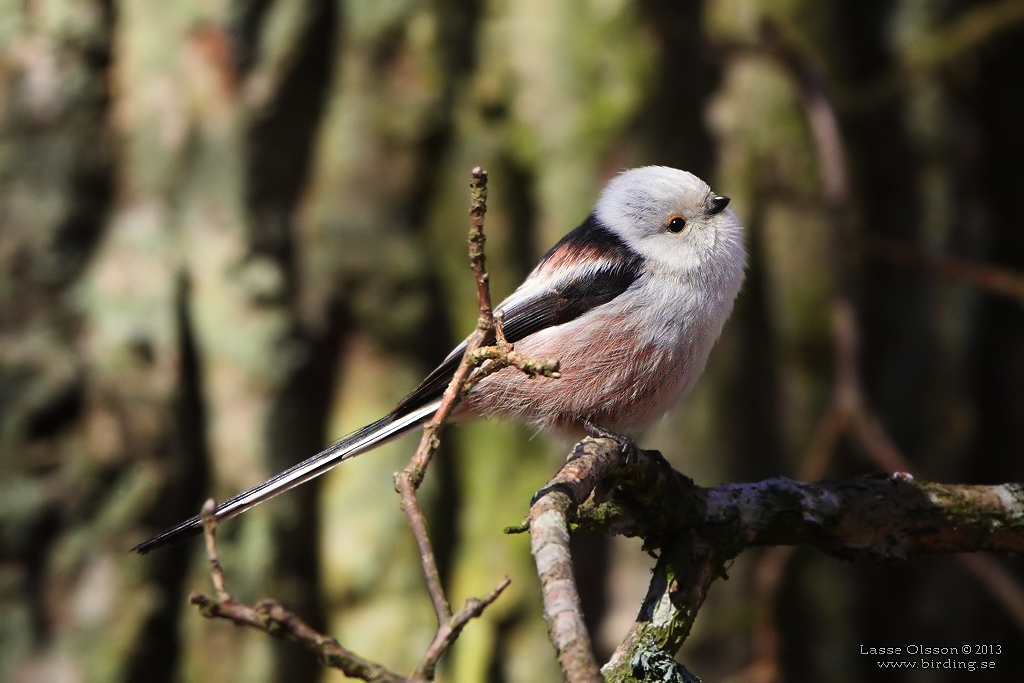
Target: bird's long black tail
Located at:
point(370, 436)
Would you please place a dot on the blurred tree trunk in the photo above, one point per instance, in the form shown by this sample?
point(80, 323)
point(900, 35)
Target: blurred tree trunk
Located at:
point(57, 575)
point(932, 158)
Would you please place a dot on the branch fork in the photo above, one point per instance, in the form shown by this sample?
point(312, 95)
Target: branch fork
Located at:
point(273, 618)
point(699, 531)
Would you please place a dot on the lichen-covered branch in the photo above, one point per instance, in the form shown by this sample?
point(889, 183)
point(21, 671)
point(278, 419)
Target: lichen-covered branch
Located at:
point(874, 517)
point(682, 577)
point(549, 544)
point(880, 518)
point(700, 530)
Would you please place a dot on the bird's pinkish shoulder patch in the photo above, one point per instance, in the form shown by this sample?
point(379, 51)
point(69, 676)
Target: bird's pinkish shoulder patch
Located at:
point(590, 243)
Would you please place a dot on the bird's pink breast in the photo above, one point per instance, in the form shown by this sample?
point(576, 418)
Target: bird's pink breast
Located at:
point(611, 377)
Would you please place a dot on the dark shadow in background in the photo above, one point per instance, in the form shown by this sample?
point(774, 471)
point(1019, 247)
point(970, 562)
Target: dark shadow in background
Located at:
point(159, 645)
point(281, 142)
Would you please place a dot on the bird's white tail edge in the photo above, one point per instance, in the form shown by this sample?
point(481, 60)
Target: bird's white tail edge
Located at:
point(369, 437)
point(321, 462)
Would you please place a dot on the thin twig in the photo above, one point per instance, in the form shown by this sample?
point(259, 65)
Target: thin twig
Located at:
point(496, 357)
point(271, 617)
point(982, 275)
point(427, 559)
point(493, 358)
point(477, 258)
point(484, 329)
point(408, 480)
point(209, 517)
point(447, 634)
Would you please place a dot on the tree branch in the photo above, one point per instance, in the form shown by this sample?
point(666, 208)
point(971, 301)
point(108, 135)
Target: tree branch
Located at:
point(408, 480)
point(700, 530)
point(850, 408)
point(448, 633)
point(873, 517)
point(549, 544)
point(982, 275)
point(492, 359)
point(271, 617)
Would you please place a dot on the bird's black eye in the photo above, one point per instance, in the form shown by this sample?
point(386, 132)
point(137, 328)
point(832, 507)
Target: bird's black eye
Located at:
point(676, 224)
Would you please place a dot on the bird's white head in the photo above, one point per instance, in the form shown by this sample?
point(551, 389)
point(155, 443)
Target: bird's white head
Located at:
point(675, 221)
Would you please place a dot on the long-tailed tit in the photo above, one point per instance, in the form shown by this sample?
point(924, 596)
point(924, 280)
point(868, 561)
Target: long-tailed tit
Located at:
point(630, 303)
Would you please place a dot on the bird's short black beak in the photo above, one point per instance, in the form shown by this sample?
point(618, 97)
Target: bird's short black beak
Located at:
point(717, 203)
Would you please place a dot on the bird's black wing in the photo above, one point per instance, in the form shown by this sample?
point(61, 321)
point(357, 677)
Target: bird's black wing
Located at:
point(616, 268)
point(567, 301)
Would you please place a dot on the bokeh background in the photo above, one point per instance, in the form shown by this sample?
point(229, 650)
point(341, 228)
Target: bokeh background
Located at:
point(232, 231)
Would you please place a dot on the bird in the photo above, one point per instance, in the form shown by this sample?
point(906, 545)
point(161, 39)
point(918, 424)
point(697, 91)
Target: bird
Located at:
point(630, 303)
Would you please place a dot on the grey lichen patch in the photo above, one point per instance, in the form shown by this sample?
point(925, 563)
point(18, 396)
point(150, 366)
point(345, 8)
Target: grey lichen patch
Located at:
point(656, 665)
point(665, 612)
point(647, 661)
point(1011, 496)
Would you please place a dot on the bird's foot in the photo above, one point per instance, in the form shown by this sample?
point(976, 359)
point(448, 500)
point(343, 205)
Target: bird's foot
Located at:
point(626, 445)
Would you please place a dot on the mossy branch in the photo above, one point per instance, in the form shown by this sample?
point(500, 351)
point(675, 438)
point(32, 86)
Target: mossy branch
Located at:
point(699, 531)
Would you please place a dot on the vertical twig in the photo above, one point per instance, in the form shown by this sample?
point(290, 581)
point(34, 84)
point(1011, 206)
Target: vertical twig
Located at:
point(408, 480)
point(549, 544)
point(273, 618)
point(477, 259)
point(210, 529)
